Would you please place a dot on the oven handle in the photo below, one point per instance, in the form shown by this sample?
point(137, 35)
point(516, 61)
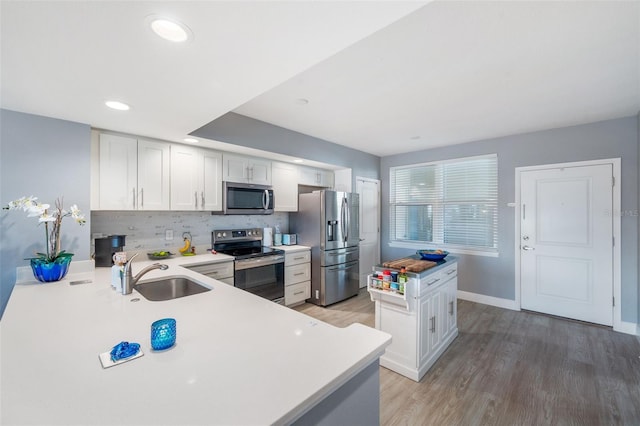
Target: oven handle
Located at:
point(259, 261)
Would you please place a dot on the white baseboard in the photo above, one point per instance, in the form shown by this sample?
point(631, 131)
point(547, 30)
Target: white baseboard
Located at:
point(488, 300)
point(628, 328)
point(624, 327)
point(25, 274)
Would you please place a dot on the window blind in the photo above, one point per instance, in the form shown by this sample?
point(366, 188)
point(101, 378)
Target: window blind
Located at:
point(452, 203)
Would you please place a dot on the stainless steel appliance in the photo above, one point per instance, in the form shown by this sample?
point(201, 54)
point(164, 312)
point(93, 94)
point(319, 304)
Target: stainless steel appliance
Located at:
point(246, 198)
point(258, 270)
point(327, 221)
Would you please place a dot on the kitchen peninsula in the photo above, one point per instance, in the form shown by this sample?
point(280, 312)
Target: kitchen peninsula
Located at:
point(239, 359)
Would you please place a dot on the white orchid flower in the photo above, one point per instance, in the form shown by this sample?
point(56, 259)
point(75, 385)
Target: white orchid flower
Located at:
point(37, 210)
point(46, 217)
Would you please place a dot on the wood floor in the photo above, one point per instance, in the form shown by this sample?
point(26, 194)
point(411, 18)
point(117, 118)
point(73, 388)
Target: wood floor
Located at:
point(510, 368)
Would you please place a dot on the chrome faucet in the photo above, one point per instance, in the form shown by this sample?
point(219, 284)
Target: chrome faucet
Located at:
point(128, 280)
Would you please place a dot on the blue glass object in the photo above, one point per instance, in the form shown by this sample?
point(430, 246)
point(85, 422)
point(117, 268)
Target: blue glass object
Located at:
point(163, 334)
point(46, 271)
point(124, 350)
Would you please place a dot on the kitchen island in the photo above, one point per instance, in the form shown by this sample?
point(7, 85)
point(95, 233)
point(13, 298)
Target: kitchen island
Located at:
point(239, 359)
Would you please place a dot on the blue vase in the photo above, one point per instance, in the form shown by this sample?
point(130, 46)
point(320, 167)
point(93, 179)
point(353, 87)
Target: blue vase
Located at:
point(46, 271)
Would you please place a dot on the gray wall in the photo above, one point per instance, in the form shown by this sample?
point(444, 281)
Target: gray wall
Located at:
point(46, 158)
point(244, 131)
point(496, 276)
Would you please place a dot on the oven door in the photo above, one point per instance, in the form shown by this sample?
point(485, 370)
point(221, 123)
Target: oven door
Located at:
point(262, 276)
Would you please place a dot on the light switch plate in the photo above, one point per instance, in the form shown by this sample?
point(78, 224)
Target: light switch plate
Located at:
point(168, 234)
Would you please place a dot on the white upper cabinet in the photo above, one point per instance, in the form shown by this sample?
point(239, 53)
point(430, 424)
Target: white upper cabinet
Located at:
point(134, 174)
point(153, 175)
point(196, 179)
point(238, 168)
point(285, 187)
point(315, 177)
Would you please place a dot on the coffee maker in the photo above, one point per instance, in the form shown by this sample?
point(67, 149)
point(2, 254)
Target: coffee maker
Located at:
point(106, 247)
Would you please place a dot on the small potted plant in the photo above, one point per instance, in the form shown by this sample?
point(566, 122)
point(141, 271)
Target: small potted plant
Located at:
point(54, 264)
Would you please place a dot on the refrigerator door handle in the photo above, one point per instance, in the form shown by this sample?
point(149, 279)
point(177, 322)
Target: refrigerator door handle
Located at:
point(344, 266)
point(345, 219)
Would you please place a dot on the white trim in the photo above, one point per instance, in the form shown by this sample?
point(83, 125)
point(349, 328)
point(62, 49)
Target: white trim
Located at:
point(628, 328)
point(25, 274)
point(617, 258)
point(418, 246)
point(489, 300)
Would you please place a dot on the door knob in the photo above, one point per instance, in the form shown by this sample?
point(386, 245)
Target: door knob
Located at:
point(528, 248)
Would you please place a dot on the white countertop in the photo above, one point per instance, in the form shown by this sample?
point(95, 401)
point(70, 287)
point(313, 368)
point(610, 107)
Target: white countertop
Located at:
point(239, 359)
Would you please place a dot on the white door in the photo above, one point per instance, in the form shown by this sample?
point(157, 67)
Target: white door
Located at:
point(185, 177)
point(369, 191)
point(566, 242)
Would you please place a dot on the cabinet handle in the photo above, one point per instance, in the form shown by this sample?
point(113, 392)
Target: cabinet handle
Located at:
point(299, 273)
point(195, 199)
point(451, 272)
point(451, 308)
point(141, 197)
point(133, 191)
point(298, 292)
point(433, 324)
point(298, 258)
point(202, 198)
point(433, 281)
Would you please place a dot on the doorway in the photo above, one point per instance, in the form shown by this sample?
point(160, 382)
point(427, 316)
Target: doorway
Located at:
point(369, 190)
point(565, 249)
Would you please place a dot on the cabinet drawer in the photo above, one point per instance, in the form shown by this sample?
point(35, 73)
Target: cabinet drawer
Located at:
point(296, 258)
point(297, 293)
point(216, 270)
point(433, 281)
point(297, 273)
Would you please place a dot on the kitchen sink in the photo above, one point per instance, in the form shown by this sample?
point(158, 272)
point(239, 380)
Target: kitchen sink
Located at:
point(168, 288)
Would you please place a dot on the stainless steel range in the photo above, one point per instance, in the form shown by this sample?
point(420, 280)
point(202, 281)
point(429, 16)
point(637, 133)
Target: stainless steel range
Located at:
point(258, 270)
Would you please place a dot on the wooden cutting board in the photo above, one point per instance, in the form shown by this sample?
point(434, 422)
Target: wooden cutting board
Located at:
point(412, 265)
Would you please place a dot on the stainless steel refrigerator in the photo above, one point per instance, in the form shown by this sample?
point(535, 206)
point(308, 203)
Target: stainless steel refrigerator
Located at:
point(327, 221)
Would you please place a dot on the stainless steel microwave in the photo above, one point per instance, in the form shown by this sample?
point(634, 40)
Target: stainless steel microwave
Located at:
point(247, 198)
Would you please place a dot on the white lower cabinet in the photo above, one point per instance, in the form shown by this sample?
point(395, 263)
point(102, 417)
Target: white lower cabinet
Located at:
point(422, 321)
point(297, 277)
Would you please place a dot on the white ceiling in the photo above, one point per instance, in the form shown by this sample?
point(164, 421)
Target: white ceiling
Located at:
point(383, 77)
point(455, 72)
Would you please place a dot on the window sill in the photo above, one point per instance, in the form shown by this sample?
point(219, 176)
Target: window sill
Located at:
point(422, 246)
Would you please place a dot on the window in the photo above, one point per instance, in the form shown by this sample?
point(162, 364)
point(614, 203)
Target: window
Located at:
point(452, 203)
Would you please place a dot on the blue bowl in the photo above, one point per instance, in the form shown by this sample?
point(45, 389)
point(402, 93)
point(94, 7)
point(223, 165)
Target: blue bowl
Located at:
point(432, 254)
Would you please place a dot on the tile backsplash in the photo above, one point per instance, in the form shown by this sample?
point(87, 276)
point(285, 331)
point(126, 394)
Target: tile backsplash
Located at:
point(146, 230)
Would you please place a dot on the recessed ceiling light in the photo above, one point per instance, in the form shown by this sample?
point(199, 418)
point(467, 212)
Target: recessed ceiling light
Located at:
point(120, 106)
point(298, 161)
point(169, 29)
point(415, 138)
point(190, 140)
point(302, 101)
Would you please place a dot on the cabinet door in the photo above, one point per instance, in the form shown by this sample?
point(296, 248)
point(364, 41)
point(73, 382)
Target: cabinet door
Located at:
point(186, 174)
point(118, 172)
point(285, 187)
point(260, 172)
point(309, 176)
point(452, 305)
point(235, 168)
point(153, 175)
point(211, 192)
point(431, 324)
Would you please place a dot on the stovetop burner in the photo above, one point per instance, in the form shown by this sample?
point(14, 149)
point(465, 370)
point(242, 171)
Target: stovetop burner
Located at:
point(241, 243)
